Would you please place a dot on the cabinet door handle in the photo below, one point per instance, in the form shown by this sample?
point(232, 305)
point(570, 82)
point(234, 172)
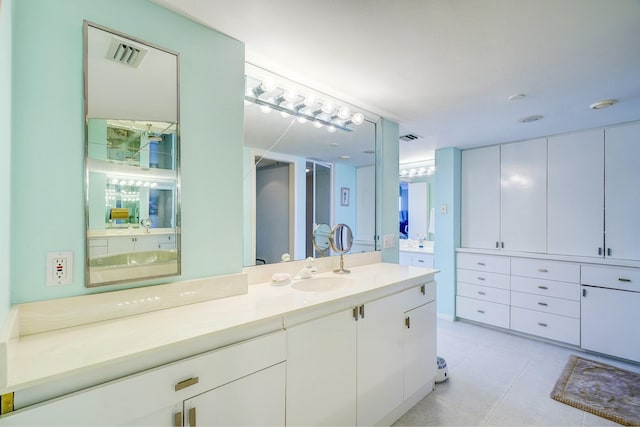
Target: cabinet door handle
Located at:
point(502, 245)
point(497, 245)
point(543, 270)
point(481, 264)
point(192, 417)
point(622, 279)
point(187, 383)
point(599, 251)
point(542, 287)
point(177, 419)
point(544, 304)
point(480, 311)
point(407, 322)
point(481, 278)
point(481, 293)
point(355, 313)
point(584, 292)
point(544, 325)
point(362, 311)
point(423, 289)
point(608, 251)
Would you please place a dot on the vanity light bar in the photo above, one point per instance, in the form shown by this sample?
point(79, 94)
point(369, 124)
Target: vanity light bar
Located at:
point(289, 102)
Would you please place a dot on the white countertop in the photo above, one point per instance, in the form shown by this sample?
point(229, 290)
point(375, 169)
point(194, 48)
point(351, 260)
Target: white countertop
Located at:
point(124, 345)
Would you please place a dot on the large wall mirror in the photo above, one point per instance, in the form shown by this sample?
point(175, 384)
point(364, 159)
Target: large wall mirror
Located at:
point(132, 159)
point(309, 159)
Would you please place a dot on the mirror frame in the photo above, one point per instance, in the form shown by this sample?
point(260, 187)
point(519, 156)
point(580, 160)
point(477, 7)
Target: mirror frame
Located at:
point(177, 203)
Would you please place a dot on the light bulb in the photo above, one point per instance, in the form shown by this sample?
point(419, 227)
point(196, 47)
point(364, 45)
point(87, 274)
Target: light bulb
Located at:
point(310, 100)
point(328, 107)
point(344, 113)
point(331, 129)
point(317, 124)
point(268, 84)
point(403, 172)
point(291, 95)
point(302, 120)
point(357, 119)
point(284, 114)
point(138, 183)
point(265, 109)
point(146, 184)
point(412, 172)
point(154, 184)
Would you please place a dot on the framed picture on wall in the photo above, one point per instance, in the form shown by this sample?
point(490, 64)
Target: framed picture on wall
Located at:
point(344, 196)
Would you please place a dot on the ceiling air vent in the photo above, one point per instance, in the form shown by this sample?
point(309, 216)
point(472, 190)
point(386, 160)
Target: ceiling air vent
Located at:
point(409, 137)
point(125, 53)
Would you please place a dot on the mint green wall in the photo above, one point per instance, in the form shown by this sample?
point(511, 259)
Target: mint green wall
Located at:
point(5, 149)
point(47, 204)
point(388, 183)
point(447, 192)
point(345, 176)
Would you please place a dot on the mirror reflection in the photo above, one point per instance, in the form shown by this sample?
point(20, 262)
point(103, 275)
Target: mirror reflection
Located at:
point(132, 161)
point(310, 159)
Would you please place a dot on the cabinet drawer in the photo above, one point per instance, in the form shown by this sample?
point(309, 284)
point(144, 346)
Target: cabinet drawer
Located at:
point(545, 269)
point(544, 287)
point(420, 260)
point(493, 280)
point(420, 295)
point(483, 311)
point(492, 263)
point(485, 293)
point(546, 325)
point(627, 279)
point(551, 305)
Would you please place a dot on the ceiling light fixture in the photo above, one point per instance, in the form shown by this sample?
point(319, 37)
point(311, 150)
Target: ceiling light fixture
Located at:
point(530, 119)
point(269, 96)
point(517, 97)
point(602, 104)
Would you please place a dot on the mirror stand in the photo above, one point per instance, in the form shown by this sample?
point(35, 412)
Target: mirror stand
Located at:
point(341, 270)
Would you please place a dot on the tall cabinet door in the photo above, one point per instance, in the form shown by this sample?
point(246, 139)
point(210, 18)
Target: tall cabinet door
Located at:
point(481, 198)
point(576, 194)
point(524, 196)
point(622, 198)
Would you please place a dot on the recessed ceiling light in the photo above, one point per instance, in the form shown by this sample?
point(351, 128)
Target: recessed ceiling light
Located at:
point(517, 97)
point(602, 104)
point(333, 144)
point(369, 151)
point(345, 157)
point(530, 119)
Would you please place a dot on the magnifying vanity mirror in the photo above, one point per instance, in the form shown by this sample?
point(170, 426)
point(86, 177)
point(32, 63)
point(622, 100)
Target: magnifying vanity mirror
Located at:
point(309, 159)
point(132, 164)
point(321, 238)
point(341, 239)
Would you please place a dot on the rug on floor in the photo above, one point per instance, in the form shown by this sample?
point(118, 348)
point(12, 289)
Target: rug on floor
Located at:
point(601, 389)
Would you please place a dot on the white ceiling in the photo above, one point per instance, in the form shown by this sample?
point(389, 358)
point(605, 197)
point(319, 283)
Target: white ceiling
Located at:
point(444, 69)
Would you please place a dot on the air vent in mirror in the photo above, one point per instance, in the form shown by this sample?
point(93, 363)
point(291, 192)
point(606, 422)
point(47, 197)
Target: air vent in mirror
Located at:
point(125, 53)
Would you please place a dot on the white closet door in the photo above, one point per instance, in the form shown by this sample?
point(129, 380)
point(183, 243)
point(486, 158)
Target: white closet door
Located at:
point(576, 194)
point(418, 208)
point(524, 196)
point(622, 197)
point(481, 197)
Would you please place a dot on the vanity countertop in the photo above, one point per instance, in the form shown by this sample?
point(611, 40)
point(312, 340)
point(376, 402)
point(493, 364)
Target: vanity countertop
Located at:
point(125, 345)
point(417, 250)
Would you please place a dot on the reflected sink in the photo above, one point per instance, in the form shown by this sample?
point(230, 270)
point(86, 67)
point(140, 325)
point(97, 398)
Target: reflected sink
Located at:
point(323, 284)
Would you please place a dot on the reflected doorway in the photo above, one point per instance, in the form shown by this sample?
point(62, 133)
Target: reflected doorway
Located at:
point(319, 185)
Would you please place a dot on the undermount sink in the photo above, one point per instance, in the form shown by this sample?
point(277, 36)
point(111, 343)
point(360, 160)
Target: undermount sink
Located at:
point(323, 284)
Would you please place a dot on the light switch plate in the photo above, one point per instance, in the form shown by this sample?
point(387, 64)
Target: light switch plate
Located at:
point(388, 241)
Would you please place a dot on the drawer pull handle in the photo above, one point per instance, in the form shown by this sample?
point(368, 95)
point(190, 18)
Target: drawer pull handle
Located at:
point(187, 383)
point(544, 304)
point(543, 270)
point(423, 289)
point(622, 279)
point(542, 287)
point(481, 264)
point(420, 260)
point(481, 311)
point(481, 278)
point(544, 325)
point(407, 322)
point(481, 293)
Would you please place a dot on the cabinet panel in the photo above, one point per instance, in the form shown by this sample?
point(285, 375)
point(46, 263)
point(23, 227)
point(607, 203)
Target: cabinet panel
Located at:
point(420, 348)
point(502, 296)
point(552, 326)
point(545, 269)
point(622, 175)
point(483, 311)
point(627, 279)
point(479, 262)
point(546, 304)
point(257, 399)
point(482, 278)
point(610, 320)
point(576, 194)
point(523, 196)
point(480, 214)
point(549, 288)
point(321, 367)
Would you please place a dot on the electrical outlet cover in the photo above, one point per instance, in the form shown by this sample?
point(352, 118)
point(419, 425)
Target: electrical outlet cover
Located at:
point(59, 268)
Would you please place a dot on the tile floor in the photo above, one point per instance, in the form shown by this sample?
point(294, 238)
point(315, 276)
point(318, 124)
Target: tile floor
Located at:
point(499, 379)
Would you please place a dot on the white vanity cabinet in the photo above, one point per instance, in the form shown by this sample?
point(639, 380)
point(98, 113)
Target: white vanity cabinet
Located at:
point(246, 379)
point(348, 368)
point(504, 197)
point(416, 259)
